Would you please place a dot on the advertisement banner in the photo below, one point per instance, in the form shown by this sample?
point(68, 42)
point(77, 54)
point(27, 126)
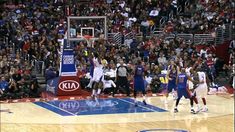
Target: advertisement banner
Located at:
point(68, 85)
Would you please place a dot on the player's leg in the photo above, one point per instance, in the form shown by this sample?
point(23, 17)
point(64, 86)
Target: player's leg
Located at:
point(127, 87)
point(135, 94)
point(194, 97)
point(191, 103)
point(144, 96)
point(100, 84)
point(90, 84)
point(168, 90)
point(176, 104)
point(94, 87)
point(188, 94)
point(99, 88)
point(205, 109)
point(180, 94)
point(201, 93)
point(137, 86)
point(118, 85)
point(204, 94)
point(95, 90)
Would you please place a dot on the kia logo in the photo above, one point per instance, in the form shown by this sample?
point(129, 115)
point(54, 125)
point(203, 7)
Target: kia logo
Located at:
point(69, 85)
point(69, 105)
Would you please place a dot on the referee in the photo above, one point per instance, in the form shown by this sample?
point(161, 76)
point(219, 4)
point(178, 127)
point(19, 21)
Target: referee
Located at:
point(121, 78)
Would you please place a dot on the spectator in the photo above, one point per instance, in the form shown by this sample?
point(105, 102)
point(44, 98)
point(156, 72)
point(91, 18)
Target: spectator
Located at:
point(145, 25)
point(50, 73)
point(34, 89)
point(162, 59)
point(109, 87)
point(3, 87)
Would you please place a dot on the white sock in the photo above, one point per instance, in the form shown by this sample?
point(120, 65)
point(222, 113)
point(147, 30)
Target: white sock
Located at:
point(166, 98)
point(96, 100)
point(90, 84)
point(144, 98)
point(198, 107)
point(93, 92)
point(205, 106)
point(98, 92)
point(191, 107)
point(135, 100)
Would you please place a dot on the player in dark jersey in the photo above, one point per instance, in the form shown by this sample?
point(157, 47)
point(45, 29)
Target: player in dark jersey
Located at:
point(139, 82)
point(92, 66)
point(182, 89)
point(171, 76)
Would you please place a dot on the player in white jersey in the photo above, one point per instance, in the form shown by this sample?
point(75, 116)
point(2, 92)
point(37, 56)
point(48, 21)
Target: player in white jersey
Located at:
point(97, 76)
point(188, 71)
point(202, 88)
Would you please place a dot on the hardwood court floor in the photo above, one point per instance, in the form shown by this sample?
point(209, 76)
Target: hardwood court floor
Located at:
point(28, 117)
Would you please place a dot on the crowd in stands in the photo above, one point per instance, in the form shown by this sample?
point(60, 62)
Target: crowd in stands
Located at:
point(32, 28)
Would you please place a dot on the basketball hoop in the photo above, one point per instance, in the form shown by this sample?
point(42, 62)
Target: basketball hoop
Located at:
point(88, 39)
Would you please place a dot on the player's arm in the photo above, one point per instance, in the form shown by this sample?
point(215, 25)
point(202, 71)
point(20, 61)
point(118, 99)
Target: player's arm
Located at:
point(192, 80)
point(207, 80)
point(177, 78)
point(113, 84)
point(168, 72)
point(1, 91)
point(143, 73)
point(178, 69)
point(116, 74)
point(127, 71)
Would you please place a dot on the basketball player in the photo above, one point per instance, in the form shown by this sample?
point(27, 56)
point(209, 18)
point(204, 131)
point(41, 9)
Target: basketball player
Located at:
point(189, 72)
point(139, 84)
point(171, 76)
point(91, 70)
point(202, 88)
point(182, 89)
point(97, 76)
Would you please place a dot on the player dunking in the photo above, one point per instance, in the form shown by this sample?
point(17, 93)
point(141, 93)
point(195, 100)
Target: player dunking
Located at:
point(182, 89)
point(97, 76)
point(139, 82)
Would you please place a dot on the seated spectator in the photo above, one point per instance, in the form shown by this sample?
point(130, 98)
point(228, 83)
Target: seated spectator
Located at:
point(15, 90)
point(16, 77)
point(162, 59)
point(34, 89)
point(148, 80)
point(155, 84)
point(108, 85)
point(154, 12)
point(50, 73)
point(3, 87)
point(81, 74)
point(144, 26)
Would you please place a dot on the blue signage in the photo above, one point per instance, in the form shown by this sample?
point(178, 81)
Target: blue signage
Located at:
point(68, 67)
